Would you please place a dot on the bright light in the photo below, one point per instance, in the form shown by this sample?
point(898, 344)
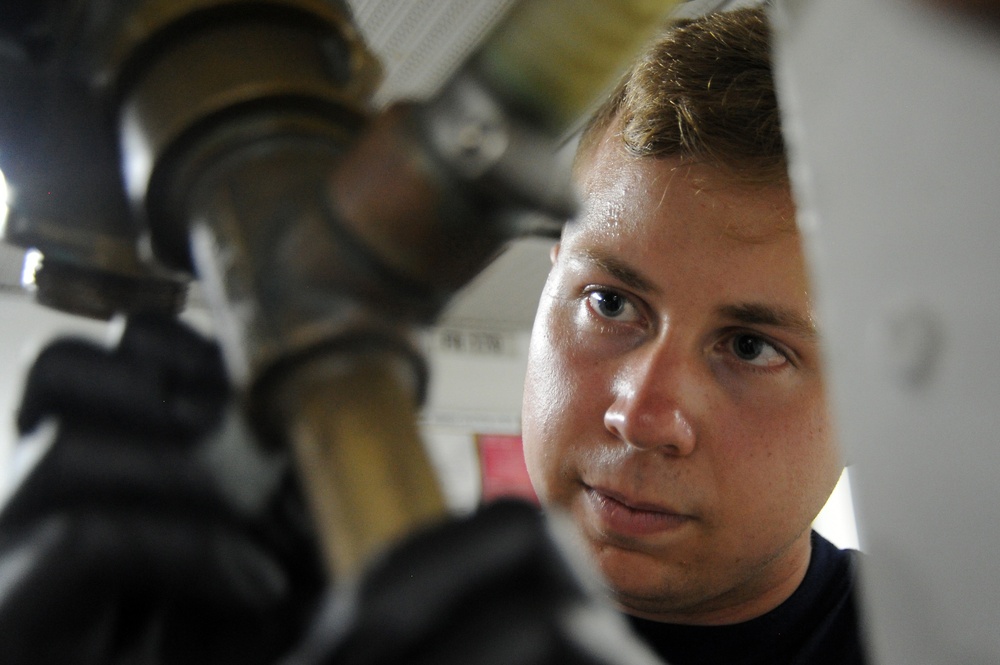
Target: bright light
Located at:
point(32, 261)
point(3, 200)
point(836, 522)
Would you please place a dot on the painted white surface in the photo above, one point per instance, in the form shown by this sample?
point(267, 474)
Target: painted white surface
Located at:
point(895, 135)
point(475, 388)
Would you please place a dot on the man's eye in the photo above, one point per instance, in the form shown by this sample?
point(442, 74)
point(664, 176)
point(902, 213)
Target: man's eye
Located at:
point(610, 305)
point(756, 351)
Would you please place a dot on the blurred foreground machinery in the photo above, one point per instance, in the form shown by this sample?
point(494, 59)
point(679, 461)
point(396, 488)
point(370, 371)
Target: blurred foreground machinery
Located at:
point(897, 147)
point(149, 142)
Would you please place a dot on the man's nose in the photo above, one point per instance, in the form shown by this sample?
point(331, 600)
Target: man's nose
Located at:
point(654, 400)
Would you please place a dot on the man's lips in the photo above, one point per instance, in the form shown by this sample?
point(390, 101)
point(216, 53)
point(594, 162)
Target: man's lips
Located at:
point(618, 514)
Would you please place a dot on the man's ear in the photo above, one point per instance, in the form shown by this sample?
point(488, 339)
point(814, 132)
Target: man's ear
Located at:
point(554, 253)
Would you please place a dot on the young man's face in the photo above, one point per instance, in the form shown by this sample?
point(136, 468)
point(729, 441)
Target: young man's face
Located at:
point(674, 402)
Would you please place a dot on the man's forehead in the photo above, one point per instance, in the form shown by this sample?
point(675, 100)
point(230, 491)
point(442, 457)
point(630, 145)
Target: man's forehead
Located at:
point(615, 184)
point(606, 219)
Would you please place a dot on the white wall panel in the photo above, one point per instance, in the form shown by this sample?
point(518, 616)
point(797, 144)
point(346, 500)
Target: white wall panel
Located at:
point(892, 113)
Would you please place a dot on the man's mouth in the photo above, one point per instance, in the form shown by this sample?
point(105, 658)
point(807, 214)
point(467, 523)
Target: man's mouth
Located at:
point(619, 514)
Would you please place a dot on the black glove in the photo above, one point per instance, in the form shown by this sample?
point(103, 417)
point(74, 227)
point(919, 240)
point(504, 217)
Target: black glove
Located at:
point(153, 530)
point(492, 589)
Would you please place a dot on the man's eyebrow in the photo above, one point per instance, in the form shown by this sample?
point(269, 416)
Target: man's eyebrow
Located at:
point(767, 315)
point(620, 271)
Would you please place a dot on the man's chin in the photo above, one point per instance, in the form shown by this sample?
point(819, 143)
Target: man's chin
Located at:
point(641, 585)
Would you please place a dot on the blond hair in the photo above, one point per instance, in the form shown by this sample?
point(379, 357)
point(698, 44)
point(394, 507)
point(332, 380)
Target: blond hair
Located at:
point(704, 91)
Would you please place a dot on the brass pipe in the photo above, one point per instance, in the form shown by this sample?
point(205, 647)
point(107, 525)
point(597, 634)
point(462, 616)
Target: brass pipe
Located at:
point(302, 328)
point(351, 421)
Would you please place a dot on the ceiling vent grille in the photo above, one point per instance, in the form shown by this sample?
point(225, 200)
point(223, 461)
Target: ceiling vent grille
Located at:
point(422, 42)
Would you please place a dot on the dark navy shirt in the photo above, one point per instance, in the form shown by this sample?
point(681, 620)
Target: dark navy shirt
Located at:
point(817, 625)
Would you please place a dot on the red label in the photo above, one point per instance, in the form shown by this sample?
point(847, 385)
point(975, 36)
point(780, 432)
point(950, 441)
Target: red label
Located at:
point(504, 473)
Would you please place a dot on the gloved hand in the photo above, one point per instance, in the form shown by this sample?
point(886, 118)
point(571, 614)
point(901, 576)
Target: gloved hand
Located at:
point(495, 588)
point(154, 529)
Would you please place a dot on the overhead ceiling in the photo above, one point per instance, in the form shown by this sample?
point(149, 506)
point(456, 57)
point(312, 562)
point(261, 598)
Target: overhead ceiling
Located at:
point(420, 44)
